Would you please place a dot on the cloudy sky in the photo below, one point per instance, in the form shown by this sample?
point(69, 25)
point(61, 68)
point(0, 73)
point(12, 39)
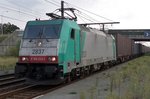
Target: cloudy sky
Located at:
point(132, 14)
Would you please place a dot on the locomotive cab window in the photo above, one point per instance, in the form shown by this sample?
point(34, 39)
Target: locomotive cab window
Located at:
point(72, 35)
point(42, 31)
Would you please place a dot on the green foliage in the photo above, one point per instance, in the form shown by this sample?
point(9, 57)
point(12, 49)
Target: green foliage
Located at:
point(7, 63)
point(133, 79)
point(9, 28)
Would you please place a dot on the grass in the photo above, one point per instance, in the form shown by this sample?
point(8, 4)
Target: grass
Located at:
point(7, 63)
point(132, 81)
point(13, 51)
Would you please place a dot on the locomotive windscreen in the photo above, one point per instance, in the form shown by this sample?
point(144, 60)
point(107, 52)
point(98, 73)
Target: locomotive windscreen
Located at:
point(42, 31)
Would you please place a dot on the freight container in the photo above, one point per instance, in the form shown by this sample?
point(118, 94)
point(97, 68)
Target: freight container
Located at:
point(137, 49)
point(123, 47)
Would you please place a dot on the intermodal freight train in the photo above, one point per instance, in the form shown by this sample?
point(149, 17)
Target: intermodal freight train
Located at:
point(52, 51)
point(59, 50)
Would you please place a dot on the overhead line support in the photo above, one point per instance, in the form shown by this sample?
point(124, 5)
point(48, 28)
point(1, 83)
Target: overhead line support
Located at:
point(62, 9)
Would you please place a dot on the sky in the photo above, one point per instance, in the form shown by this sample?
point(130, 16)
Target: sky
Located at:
point(132, 14)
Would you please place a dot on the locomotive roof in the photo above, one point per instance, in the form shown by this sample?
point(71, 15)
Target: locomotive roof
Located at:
point(46, 22)
point(92, 30)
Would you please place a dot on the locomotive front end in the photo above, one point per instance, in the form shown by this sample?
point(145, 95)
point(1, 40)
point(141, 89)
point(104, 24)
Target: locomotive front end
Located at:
point(38, 54)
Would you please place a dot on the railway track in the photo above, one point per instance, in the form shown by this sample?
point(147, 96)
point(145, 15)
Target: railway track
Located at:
point(33, 91)
point(9, 82)
point(6, 77)
point(12, 88)
point(24, 91)
point(14, 94)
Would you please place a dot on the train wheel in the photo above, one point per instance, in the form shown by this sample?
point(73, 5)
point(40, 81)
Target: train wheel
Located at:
point(68, 78)
point(82, 73)
point(88, 71)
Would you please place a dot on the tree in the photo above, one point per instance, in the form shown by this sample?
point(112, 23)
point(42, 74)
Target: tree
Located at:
point(9, 28)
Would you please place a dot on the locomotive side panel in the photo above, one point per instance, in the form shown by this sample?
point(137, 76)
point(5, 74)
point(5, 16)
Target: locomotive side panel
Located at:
point(98, 47)
point(69, 46)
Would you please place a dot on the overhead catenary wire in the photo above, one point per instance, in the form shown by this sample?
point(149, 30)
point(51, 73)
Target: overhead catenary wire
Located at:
point(56, 1)
point(82, 14)
point(8, 7)
point(51, 2)
point(18, 11)
point(25, 8)
point(82, 18)
point(90, 12)
point(85, 17)
point(12, 18)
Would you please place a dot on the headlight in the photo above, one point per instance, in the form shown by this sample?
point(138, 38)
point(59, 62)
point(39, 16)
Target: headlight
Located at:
point(52, 58)
point(24, 59)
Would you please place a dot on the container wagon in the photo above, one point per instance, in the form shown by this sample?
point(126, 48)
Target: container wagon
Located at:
point(123, 47)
